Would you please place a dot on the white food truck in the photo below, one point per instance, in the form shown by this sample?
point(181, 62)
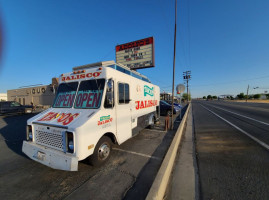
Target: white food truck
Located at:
point(95, 105)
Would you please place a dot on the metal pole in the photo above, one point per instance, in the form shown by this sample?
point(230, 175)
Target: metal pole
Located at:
point(247, 94)
point(174, 62)
point(180, 105)
point(188, 90)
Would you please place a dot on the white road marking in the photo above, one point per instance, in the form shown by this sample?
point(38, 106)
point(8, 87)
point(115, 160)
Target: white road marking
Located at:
point(139, 154)
point(241, 130)
point(242, 115)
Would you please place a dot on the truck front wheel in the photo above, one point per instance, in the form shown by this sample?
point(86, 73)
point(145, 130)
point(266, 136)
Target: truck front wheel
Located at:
point(101, 152)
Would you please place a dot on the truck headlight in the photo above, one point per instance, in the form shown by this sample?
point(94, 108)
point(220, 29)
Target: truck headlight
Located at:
point(30, 136)
point(29, 133)
point(70, 142)
point(71, 145)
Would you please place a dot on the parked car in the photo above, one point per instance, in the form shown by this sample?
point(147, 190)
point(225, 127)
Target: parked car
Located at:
point(14, 107)
point(175, 104)
point(166, 108)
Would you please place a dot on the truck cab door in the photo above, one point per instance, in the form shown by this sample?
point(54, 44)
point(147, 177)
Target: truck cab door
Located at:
point(123, 112)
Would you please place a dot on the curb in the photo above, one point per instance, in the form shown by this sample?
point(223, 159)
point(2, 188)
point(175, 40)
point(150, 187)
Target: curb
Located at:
point(158, 188)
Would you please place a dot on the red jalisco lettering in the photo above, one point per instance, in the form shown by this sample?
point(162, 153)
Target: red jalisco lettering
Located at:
point(81, 76)
point(145, 104)
point(105, 121)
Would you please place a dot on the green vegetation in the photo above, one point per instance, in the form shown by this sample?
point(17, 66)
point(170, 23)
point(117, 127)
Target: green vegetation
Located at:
point(241, 95)
point(250, 96)
point(185, 96)
point(257, 96)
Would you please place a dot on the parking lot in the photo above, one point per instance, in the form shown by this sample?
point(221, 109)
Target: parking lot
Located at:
point(128, 174)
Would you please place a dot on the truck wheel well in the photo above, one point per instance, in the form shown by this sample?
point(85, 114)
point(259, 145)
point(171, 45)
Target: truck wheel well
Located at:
point(112, 137)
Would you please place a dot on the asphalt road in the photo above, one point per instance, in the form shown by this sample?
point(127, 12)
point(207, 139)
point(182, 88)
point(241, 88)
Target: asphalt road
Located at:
point(128, 174)
point(232, 142)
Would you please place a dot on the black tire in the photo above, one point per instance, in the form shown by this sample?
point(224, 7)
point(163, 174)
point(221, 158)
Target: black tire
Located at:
point(101, 152)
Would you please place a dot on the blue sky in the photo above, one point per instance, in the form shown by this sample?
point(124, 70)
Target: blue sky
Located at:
point(224, 43)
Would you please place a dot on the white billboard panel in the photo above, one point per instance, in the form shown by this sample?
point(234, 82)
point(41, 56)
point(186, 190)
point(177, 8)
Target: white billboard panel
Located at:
point(136, 55)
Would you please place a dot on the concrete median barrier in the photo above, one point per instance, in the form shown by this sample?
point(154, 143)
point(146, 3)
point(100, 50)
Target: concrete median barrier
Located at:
point(160, 183)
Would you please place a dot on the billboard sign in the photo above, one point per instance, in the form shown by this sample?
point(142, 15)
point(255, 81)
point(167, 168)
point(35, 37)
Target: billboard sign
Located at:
point(136, 55)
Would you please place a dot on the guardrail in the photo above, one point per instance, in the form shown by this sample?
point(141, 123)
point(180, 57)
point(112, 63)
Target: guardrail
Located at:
point(158, 188)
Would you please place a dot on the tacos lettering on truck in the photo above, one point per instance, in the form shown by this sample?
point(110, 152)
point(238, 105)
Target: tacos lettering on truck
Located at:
point(95, 105)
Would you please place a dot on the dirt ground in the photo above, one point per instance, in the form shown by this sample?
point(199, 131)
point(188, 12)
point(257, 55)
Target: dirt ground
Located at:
point(251, 101)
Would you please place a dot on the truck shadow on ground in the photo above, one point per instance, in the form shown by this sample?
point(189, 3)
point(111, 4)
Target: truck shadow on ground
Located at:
point(148, 173)
point(13, 131)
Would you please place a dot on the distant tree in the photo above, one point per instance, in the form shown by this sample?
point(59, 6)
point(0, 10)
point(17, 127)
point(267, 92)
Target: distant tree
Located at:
point(267, 96)
point(248, 96)
point(241, 95)
point(209, 97)
point(231, 97)
point(204, 97)
point(185, 96)
point(257, 96)
point(214, 97)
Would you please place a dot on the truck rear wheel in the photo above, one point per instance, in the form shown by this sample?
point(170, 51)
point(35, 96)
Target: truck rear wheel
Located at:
point(101, 152)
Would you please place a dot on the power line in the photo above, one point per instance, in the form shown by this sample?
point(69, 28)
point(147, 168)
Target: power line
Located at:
point(165, 19)
point(189, 35)
point(106, 55)
point(230, 82)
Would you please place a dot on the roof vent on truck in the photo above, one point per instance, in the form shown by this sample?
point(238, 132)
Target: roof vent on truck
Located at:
point(98, 64)
point(115, 66)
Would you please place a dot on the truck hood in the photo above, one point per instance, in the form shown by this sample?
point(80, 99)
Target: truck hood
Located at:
point(63, 117)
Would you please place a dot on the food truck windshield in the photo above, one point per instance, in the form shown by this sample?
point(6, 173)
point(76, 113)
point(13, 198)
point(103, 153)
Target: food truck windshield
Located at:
point(89, 94)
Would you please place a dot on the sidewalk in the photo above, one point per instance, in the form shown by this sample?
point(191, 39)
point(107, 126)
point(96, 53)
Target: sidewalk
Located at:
point(182, 185)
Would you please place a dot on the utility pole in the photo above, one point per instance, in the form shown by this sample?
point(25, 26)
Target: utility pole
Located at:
point(187, 77)
point(175, 37)
point(247, 94)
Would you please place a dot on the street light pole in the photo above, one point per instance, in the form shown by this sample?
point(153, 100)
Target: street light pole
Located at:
point(247, 94)
point(174, 62)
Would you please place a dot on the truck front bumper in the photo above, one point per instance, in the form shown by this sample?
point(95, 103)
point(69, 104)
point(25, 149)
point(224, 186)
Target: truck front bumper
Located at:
point(52, 158)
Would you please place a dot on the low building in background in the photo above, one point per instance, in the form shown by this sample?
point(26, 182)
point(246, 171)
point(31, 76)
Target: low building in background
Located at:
point(165, 96)
point(40, 96)
point(3, 96)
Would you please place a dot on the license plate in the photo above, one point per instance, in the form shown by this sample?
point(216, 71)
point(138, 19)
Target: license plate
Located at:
point(41, 155)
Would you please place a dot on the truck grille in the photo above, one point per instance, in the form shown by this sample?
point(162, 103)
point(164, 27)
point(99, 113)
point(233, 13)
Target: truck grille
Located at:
point(51, 138)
